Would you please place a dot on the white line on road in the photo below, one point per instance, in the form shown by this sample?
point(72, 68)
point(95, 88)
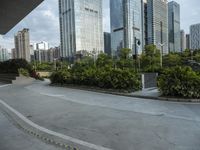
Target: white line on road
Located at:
point(47, 131)
point(51, 95)
point(5, 85)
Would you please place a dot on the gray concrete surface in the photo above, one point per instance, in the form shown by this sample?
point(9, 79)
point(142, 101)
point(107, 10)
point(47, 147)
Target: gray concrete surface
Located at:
point(12, 138)
point(151, 92)
point(116, 122)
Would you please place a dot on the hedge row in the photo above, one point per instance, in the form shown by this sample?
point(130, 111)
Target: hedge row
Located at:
point(104, 78)
point(179, 82)
point(12, 66)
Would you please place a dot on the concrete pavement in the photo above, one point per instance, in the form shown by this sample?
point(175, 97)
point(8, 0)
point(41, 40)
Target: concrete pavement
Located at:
point(111, 121)
point(12, 138)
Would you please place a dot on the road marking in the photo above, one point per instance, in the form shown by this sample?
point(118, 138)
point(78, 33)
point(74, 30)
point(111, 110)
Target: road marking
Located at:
point(51, 95)
point(49, 132)
point(5, 85)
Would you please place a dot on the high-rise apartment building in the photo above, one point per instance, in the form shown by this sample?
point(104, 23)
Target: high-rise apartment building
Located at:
point(22, 45)
point(81, 26)
point(183, 40)
point(13, 54)
point(187, 41)
point(174, 26)
point(157, 16)
point(126, 25)
point(47, 55)
point(195, 36)
point(41, 46)
point(3, 54)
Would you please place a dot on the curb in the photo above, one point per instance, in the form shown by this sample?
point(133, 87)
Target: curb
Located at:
point(46, 135)
point(133, 96)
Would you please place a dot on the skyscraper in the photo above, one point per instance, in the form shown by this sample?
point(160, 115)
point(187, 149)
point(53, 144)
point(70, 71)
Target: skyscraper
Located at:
point(174, 26)
point(157, 15)
point(3, 54)
point(13, 53)
point(183, 40)
point(22, 45)
point(41, 46)
point(195, 36)
point(145, 22)
point(187, 41)
point(126, 25)
point(81, 26)
point(107, 43)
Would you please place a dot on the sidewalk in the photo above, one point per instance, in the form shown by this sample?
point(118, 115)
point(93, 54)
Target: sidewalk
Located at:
point(153, 93)
point(13, 138)
point(150, 92)
point(105, 120)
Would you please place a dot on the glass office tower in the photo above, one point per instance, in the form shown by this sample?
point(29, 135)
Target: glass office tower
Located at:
point(157, 14)
point(174, 26)
point(81, 26)
point(126, 25)
point(182, 41)
point(195, 36)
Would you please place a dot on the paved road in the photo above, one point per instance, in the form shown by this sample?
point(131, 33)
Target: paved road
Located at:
point(12, 138)
point(116, 122)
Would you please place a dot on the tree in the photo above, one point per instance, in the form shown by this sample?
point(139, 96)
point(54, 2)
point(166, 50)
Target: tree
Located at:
point(125, 61)
point(171, 60)
point(186, 55)
point(125, 53)
point(104, 60)
point(150, 59)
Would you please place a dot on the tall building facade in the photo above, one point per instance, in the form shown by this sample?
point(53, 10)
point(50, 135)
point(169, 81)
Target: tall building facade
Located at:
point(32, 52)
point(126, 25)
point(13, 53)
point(3, 54)
point(47, 55)
point(187, 41)
point(195, 36)
point(107, 43)
point(183, 40)
point(157, 16)
point(145, 23)
point(42, 46)
point(22, 45)
point(174, 26)
point(81, 26)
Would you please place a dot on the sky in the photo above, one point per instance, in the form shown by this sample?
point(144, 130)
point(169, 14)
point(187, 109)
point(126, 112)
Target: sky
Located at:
point(43, 22)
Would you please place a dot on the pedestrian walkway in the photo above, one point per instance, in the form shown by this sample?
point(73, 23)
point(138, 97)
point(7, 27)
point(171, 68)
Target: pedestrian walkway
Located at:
point(150, 92)
point(107, 120)
point(13, 138)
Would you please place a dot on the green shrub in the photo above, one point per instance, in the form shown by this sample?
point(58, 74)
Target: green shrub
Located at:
point(179, 82)
point(12, 66)
point(100, 77)
point(23, 72)
point(61, 77)
point(119, 79)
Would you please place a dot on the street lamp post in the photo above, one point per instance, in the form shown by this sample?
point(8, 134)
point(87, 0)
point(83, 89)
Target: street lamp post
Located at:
point(55, 65)
point(137, 44)
point(161, 54)
point(191, 51)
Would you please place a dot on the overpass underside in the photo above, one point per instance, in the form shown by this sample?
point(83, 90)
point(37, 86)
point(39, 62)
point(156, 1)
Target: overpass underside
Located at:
point(13, 11)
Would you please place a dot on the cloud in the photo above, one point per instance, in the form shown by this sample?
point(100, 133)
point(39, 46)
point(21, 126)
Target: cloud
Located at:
point(189, 13)
point(5, 42)
point(43, 22)
point(106, 15)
